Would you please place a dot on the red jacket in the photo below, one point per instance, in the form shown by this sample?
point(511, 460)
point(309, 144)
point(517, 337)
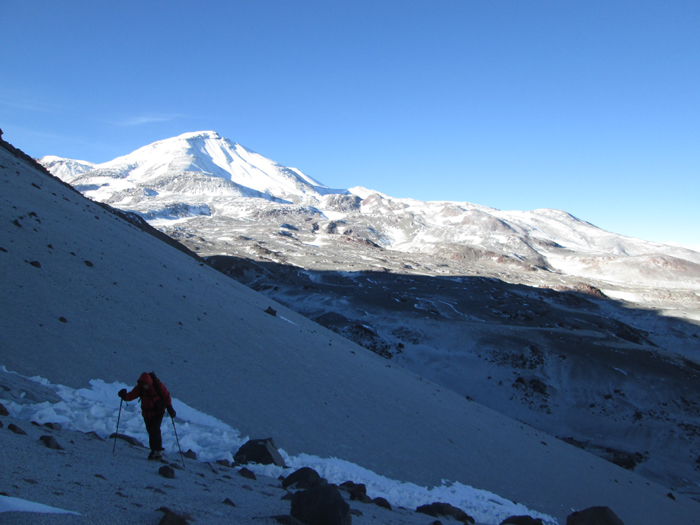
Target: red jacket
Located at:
point(154, 400)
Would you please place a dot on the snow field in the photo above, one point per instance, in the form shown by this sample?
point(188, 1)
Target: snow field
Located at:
point(96, 409)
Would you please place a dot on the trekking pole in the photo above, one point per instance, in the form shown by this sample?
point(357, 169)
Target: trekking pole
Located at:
point(117, 431)
point(182, 458)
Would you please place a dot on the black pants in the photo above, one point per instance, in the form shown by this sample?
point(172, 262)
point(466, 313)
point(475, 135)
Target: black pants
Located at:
point(155, 441)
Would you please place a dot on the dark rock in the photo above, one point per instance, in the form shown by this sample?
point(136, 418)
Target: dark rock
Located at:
point(190, 454)
point(50, 442)
point(3, 410)
point(287, 496)
point(445, 509)
point(171, 518)
point(1, 425)
point(228, 502)
point(247, 473)
point(35, 264)
point(223, 462)
point(286, 519)
point(262, 451)
point(131, 440)
point(63, 319)
point(94, 435)
point(166, 471)
point(358, 491)
point(356, 512)
point(88, 263)
point(270, 311)
point(53, 426)
point(382, 503)
point(594, 516)
point(14, 428)
point(322, 505)
point(304, 478)
point(671, 496)
point(521, 520)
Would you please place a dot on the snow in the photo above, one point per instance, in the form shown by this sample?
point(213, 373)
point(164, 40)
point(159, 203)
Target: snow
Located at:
point(9, 504)
point(96, 409)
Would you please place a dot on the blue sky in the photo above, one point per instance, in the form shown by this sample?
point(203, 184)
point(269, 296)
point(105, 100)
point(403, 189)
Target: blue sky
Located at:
point(592, 107)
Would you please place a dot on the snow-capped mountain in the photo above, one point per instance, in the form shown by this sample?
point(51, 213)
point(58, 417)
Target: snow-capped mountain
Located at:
point(87, 295)
point(219, 186)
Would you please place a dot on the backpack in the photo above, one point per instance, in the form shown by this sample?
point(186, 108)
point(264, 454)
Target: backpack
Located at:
point(160, 404)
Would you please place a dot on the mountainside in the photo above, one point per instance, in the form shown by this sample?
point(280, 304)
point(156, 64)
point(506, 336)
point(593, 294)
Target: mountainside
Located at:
point(88, 295)
point(582, 333)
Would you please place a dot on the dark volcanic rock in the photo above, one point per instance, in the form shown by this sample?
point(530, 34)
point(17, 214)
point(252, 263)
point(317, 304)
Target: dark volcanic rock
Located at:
point(322, 505)
point(262, 451)
point(14, 428)
point(248, 474)
point(445, 509)
point(594, 516)
point(3, 410)
point(521, 520)
point(50, 442)
point(304, 478)
point(171, 518)
point(131, 440)
point(166, 471)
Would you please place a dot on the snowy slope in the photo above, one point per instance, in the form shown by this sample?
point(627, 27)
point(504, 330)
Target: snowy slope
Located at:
point(87, 296)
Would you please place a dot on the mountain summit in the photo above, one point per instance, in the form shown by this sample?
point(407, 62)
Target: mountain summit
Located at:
point(199, 164)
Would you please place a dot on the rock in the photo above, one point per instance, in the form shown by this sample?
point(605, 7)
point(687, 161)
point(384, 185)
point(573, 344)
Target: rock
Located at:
point(171, 518)
point(445, 509)
point(262, 451)
point(322, 505)
point(190, 454)
point(594, 516)
point(131, 440)
point(223, 462)
point(50, 442)
point(14, 428)
point(270, 311)
point(227, 501)
point(3, 410)
point(286, 520)
point(304, 478)
point(53, 426)
point(1, 425)
point(358, 491)
point(247, 473)
point(166, 471)
point(521, 520)
point(382, 503)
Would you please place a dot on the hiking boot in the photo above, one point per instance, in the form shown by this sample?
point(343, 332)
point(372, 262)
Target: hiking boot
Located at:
point(155, 455)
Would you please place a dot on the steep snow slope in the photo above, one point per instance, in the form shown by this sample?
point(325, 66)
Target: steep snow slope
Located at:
point(86, 295)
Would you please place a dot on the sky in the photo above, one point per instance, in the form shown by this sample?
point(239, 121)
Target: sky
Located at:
point(591, 107)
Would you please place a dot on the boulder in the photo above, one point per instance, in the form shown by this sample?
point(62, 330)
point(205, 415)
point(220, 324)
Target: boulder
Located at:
point(131, 440)
point(522, 520)
point(50, 442)
point(14, 428)
point(171, 518)
point(262, 451)
point(3, 410)
point(247, 473)
point(322, 505)
point(445, 509)
point(166, 471)
point(382, 502)
point(594, 516)
point(304, 478)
